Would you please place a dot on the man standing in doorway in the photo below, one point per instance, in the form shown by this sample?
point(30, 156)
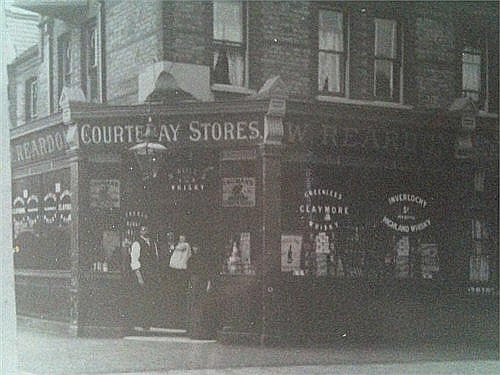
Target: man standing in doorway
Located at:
point(145, 265)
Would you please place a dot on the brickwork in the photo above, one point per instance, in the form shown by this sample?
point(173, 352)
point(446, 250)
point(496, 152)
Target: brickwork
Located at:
point(280, 44)
point(282, 40)
point(187, 32)
point(133, 40)
point(436, 55)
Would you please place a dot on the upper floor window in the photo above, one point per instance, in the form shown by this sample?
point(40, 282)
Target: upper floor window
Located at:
point(91, 72)
point(479, 64)
point(331, 52)
point(31, 96)
point(64, 62)
point(387, 62)
point(229, 43)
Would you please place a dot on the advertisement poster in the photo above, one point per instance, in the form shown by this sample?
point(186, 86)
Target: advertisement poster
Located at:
point(291, 246)
point(105, 194)
point(429, 259)
point(110, 242)
point(245, 247)
point(322, 243)
point(238, 192)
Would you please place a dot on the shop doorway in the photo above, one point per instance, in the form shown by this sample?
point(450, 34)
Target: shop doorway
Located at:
point(186, 205)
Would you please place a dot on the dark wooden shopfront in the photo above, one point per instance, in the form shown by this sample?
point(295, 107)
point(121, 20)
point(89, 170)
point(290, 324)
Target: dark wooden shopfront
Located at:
point(235, 180)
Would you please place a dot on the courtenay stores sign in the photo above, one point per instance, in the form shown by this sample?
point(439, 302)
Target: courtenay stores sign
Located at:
point(213, 129)
point(110, 133)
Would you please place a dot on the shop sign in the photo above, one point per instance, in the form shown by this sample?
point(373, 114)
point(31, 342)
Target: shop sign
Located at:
point(216, 130)
point(188, 179)
point(407, 213)
point(32, 206)
point(18, 215)
point(238, 192)
point(331, 138)
point(40, 145)
point(322, 207)
point(49, 208)
point(105, 194)
point(64, 207)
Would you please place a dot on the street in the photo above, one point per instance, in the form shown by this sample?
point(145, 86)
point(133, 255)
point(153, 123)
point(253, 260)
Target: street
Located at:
point(41, 353)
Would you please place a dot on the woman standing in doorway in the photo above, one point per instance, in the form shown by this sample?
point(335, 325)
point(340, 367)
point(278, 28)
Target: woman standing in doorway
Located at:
point(178, 267)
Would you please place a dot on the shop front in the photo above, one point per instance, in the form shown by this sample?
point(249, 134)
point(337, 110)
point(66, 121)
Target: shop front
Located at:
point(316, 223)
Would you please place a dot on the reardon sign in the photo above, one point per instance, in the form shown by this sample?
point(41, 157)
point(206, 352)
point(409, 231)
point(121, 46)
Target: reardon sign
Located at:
point(38, 146)
point(331, 137)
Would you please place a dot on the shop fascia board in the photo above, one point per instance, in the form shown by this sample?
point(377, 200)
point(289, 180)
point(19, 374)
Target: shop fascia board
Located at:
point(413, 118)
point(79, 111)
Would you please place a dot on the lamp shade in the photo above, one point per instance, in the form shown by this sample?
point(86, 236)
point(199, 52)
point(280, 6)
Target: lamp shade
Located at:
point(150, 153)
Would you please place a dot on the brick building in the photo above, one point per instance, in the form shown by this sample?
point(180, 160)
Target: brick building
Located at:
point(339, 161)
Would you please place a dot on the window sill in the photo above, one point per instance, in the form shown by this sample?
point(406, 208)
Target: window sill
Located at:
point(336, 99)
point(488, 114)
point(232, 89)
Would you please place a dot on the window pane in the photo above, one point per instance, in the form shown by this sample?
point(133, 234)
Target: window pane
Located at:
point(228, 21)
point(385, 38)
point(330, 72)
point(34, 97)
point(471, 77)
point(331, 30)
point(383, 78)
point(471, 56)
point(92, 49)
point(229, 66)
point(471, 73)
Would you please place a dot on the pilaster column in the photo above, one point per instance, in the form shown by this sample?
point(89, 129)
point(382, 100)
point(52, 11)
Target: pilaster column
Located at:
point(76, 173)
point(270, 170)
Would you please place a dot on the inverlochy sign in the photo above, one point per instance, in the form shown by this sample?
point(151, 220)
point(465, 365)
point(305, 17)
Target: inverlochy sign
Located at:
point(407, 213)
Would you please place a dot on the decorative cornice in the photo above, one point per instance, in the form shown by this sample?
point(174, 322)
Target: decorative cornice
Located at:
point(36, 125)
point(81, 111)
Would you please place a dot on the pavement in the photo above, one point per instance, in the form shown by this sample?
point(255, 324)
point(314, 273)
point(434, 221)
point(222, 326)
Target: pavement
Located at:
point(43, 353)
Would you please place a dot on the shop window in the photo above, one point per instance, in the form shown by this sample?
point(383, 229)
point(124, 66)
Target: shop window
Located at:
point(41, 215)
point(31, 97)
point(387, 64)
point(331, 52)
point(229, 46)
point(479, 66)
point(332, 226)
point(91, 80)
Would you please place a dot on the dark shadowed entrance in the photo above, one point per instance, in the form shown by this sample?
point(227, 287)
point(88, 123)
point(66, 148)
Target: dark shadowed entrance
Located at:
point(182, 200)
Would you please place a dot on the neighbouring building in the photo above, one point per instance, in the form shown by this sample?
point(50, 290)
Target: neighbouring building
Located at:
point(337, 161)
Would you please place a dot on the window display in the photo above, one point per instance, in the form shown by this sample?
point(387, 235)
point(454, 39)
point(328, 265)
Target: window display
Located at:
point(345, 223)
point(41, 221)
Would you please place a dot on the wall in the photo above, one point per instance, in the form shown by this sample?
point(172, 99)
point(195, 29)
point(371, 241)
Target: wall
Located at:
point(133, 40)
point(282, 41)
point(436, 72)
point(280, 44)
